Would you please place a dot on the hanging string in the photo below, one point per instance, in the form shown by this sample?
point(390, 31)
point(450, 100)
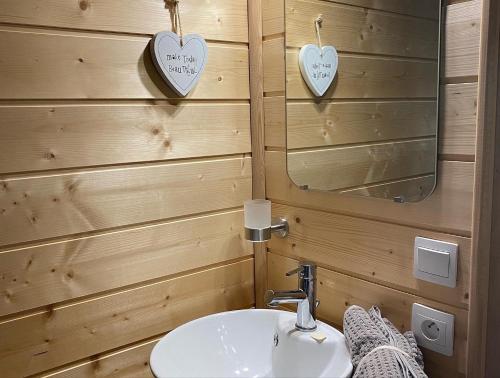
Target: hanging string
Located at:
point(177, 19)
point(317, 24)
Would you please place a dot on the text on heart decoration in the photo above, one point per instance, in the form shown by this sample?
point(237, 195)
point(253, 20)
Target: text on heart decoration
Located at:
point(318, 64)
point(180, 60)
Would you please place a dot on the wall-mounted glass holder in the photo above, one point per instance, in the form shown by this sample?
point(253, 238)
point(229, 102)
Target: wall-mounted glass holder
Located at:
point(258, 223)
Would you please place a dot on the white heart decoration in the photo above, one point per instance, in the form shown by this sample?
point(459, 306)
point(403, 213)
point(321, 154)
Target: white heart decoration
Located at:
point(318, 67)
point(180, 66)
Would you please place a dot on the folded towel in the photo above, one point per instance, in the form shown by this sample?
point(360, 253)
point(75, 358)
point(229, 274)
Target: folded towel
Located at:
point(378, 349)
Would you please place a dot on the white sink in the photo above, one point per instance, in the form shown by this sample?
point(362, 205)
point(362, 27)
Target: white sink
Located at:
point(242, 344)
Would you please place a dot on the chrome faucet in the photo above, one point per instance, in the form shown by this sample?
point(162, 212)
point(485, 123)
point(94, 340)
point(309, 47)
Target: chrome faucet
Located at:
point(305, 297)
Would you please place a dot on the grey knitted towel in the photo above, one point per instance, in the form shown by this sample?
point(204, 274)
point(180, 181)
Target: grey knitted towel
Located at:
point(365, 331)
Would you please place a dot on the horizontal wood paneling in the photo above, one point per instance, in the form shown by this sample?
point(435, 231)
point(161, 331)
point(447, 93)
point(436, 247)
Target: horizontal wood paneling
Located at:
point(412, 190)
point(76, 66)
point(216, 19)
point(131, 362)
point(42, 274)
point(361, 164)
point(46, 339)
point(449, 209)
point(312, 124)
point(38, 137)
point(461, 45)
point(273, 11)
point(375, 251)
point(368, 77)
point(120, 203)
point(457, 129)
point(338, 291)
point(424, 8)
point(461, 40)
point(59, 204)
point(456, 12)
point(360, 30)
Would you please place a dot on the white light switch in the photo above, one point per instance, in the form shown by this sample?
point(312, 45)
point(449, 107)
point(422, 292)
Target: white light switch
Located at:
point(435, 261)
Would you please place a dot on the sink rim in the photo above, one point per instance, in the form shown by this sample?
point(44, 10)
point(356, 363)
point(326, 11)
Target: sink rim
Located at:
point(276, 313)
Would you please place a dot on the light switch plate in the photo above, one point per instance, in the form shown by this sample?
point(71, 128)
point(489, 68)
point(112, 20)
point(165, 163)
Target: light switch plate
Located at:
point(433, 329)
point(435, 261)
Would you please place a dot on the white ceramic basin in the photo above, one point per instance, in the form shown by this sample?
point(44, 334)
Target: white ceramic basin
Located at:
point(242, 344)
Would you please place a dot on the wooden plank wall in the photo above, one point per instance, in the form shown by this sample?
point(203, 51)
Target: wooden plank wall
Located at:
point(364, 246)
point(120, 204)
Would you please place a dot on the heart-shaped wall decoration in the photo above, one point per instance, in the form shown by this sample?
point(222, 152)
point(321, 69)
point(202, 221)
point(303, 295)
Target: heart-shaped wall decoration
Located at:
point(180, 66)
point(318, 67)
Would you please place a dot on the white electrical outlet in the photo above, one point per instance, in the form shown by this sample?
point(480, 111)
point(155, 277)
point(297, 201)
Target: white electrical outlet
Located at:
point(433, 329)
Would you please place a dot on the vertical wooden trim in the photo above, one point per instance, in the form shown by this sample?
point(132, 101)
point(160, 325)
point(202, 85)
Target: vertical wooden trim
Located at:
point(257, 132)
point(493, 326)
point(484, 326)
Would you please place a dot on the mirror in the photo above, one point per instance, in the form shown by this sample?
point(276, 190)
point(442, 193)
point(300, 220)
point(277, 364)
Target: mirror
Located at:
point(374, 130)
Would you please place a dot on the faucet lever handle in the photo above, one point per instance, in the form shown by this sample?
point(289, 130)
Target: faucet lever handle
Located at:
point(294, 271)
point(305, 270)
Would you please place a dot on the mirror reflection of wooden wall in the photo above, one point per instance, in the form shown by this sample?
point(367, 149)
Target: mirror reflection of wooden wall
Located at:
point(374, 131)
